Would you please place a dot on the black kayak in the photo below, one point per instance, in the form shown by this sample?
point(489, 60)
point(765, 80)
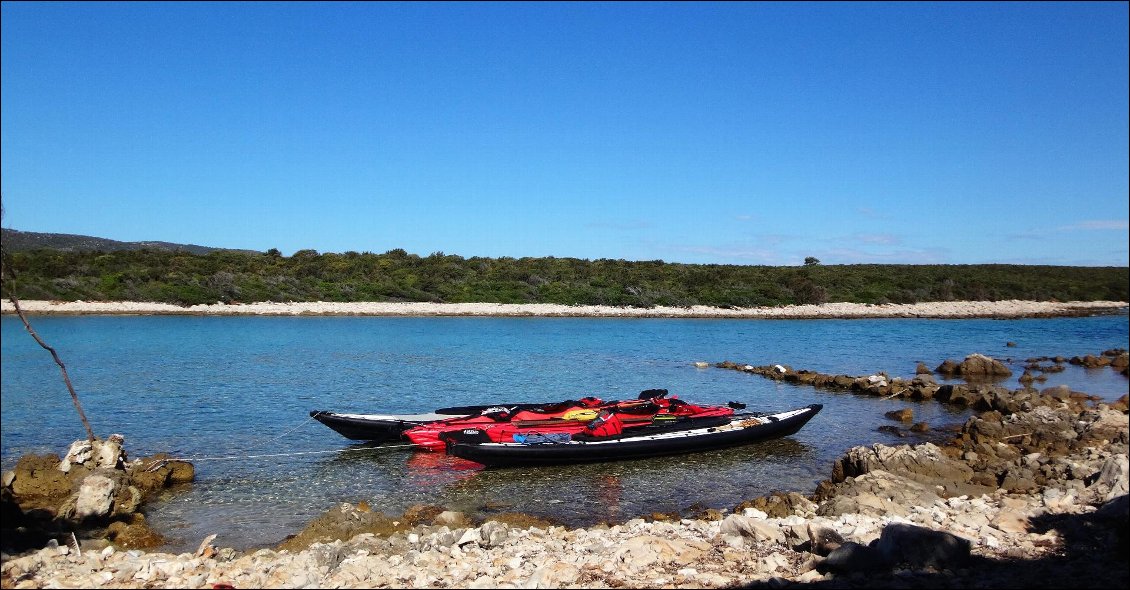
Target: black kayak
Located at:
point(374, 428)
point(379, 428)
point(740, 429)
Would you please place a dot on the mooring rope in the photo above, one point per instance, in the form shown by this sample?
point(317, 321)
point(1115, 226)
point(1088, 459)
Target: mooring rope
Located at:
point(299, 425)
point(382, 447)
point(160, 463)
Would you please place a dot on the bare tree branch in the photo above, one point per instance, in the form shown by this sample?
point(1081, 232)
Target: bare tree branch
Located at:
point(10, 272)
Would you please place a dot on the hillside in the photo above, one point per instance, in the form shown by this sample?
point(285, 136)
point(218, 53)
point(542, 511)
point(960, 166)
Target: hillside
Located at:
point(91, 269)
point(21, 241)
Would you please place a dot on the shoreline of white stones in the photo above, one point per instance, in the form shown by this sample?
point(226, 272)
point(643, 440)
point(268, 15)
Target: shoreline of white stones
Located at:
point(740, 549)
point(932, 309)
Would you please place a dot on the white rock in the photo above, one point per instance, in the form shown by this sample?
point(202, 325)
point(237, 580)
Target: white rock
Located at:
point(736, 524)
point(734, 540)
point(469, 536)
point(95, 496)
point(108, 453)
point(79, 453)
point(754, 513)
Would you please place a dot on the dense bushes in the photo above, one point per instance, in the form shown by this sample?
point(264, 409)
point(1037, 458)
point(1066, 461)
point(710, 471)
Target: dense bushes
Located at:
point(185, 278)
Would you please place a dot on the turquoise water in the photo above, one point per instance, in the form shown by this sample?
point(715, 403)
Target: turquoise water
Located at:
point(231, 392)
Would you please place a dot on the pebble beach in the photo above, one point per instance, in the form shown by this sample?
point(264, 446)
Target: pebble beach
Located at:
point(946, 309)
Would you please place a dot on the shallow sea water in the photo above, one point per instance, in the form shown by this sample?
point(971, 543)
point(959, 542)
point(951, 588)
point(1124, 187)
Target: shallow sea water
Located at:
point(233, 394)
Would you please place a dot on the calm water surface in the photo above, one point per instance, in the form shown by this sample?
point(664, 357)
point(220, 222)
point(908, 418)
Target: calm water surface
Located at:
point(231, 393)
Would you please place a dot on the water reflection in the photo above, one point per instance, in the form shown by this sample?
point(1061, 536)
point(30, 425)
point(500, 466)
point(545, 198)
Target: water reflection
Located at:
point(611, 489)
point(428, 471)
point(660, 484)
point(583, 494)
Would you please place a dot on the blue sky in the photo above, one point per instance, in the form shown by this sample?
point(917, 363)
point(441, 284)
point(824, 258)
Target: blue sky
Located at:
point(731, 133)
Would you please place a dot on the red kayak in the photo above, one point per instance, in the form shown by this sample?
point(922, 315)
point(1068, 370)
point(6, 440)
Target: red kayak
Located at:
point(588, 416)
point(427, 436)
point(613, 419)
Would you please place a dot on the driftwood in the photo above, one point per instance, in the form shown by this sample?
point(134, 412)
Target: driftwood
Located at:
point(11, 274)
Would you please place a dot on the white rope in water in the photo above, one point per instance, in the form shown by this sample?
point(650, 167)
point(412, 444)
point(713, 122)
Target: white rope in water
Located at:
point(382, 447)
point(300, 425)
point(158, 464)
point(162, 462)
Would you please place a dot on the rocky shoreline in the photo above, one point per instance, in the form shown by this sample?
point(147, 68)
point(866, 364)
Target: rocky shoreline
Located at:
point(939, 309)
point(1030, 492)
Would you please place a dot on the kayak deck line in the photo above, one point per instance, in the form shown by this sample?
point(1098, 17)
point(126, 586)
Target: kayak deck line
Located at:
point(748, 421)
point(429, 417)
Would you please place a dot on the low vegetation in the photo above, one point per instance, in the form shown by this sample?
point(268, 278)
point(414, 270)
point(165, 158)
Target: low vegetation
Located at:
point(186, 278)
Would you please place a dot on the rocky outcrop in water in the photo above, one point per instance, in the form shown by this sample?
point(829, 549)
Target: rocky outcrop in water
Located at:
point(978, 393)
point(1117, 359)
point(93, 491)
point(975, 366)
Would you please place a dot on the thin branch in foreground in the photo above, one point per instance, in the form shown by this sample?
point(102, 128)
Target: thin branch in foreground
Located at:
point(66, 378)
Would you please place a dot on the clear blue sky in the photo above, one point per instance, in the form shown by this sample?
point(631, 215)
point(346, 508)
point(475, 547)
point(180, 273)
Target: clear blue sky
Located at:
point(734, 133)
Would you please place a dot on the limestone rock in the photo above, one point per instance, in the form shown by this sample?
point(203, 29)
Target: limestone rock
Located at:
point(80, 452)
point(1112, 481)
point(38, 475)
point(780, 505)
point(903, 415)
point(948, 367)
point(924, 463)
point(877, 493)
point(648, 550)
point(95, 497)
point(342, 522)
point(158, 472)
point(978, 365)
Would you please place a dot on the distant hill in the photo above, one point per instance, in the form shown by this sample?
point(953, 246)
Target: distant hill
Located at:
point(22, 241)
point(174, 273)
